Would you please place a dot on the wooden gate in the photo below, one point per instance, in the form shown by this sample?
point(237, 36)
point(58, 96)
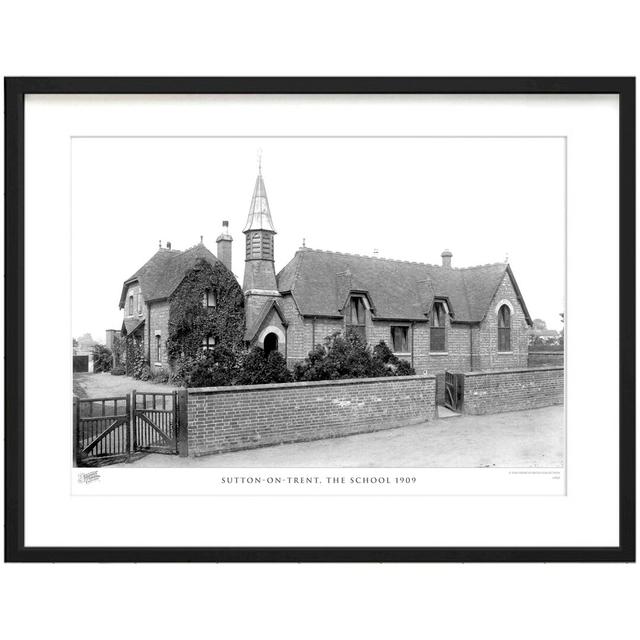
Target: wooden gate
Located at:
point(110, 430)
point(453, 390)
point(102, 433)
point(155, 422)
point(80, 364)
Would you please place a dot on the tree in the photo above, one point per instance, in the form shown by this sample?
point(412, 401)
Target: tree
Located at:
point(539, 324)
point(102, 358)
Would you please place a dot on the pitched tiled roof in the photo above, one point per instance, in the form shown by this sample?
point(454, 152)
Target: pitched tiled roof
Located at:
point(160, 276)
point(320, 281)
point(129, 325)
point(251, 331)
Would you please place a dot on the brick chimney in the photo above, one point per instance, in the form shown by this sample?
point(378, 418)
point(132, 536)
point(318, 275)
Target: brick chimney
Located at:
point(224, 241)
point(446, 258)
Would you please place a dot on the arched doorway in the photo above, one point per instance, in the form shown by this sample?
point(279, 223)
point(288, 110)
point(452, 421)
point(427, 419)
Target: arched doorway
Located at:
point(270, 343)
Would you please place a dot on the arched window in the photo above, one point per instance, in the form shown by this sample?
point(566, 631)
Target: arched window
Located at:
point(270, 343)
point(438, 343)
point(158, 349)
point(504, 328)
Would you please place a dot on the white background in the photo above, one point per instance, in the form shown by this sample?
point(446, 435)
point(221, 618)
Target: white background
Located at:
point(587, 516)
point(494, 38)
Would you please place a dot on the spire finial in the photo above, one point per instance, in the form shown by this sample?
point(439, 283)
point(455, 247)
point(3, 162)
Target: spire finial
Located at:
point(304, 242)
point(159, 244)
point(260, 161)
point(201, 239)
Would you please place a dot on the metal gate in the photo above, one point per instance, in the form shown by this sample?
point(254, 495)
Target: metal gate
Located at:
point(155, 422)
point(101, 434)
point(453, 390)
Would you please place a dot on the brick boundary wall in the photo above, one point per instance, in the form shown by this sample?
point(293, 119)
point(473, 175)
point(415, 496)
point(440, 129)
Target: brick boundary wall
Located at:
point(512, 389)
point(244, 417)
point(546, 358)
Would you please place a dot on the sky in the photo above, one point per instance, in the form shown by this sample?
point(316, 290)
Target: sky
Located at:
point(484, 199)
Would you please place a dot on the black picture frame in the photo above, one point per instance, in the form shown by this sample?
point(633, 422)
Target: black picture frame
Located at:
point(15, 91)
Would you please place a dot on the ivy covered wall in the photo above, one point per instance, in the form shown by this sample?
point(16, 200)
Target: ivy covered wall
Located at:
point(190, 321)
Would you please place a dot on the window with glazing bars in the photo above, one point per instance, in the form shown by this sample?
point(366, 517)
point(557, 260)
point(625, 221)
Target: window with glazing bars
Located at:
point(208, 343)
point(438, 323)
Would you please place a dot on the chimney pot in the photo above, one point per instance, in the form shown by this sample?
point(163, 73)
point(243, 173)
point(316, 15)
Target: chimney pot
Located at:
point(169, 246)
point(446, 256)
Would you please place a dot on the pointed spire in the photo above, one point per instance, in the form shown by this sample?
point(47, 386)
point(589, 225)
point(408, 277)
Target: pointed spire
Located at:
point(259, 213)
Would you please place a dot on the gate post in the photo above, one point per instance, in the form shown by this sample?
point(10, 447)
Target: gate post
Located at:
point(133, 442)
point(182, 423)
point(76, 431)
point(127, 431)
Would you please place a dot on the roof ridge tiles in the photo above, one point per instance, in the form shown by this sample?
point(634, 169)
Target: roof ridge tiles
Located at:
point(361, 255)
point(487, 264)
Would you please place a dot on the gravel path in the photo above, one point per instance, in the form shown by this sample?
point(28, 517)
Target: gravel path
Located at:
point(100, 385)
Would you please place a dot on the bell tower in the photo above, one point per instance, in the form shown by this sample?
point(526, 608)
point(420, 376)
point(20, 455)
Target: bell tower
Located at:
point(259, 283)
point(259, 270)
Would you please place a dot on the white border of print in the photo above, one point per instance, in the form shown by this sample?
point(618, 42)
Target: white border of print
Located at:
point(55, 517)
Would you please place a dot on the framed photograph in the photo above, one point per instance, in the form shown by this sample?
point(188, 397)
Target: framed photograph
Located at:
point(320, 319)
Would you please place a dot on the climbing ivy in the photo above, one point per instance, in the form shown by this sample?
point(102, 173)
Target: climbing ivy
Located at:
point(190, 322)
point(136, 363)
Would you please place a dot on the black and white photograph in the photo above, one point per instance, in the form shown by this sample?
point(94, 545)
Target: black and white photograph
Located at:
point(316, 302)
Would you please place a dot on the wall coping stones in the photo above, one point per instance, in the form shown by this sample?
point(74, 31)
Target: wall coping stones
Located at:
point(299, 385)
point(488, 372)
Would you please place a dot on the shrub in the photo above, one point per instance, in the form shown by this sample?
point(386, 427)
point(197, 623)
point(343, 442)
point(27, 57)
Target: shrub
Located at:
point(142, 372)
point(118, 371)
point(404, 368)
point(386, 363)
point(258, 368)
point(136, 365)
point(341, 356)
point(348, 356)
point(119, 349)
point(217, 367)
point(181, 370)
point(159, 376)
point(102, 358)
